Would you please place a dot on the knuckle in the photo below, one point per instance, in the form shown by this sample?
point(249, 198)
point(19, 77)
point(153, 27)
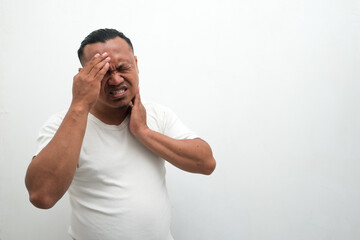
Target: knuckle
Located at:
point(97, 67)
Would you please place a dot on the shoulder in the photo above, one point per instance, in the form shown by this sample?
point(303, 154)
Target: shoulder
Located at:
point(55, 120)
point(157, 110)
point(48, 130)
point(162, 119)
point(153, 107)
point(57, 117)
point(158, 116)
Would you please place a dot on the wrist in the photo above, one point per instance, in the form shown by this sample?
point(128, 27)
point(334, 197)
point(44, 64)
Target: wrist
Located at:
point(142, 133)
point(78, 109)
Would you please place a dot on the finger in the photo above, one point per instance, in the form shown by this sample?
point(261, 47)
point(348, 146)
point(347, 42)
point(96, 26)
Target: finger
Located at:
point(98, 69)
point(96, 59)
point(88, 65)
point(101, 73)
point(137, 99)
point(131, 104)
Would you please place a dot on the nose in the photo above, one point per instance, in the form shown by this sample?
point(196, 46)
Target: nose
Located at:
point(115, 79)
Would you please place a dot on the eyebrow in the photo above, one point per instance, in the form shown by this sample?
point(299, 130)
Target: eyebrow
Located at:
point(121, 65)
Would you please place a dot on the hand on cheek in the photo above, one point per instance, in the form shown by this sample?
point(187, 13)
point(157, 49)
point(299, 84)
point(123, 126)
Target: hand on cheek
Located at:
point(137, 123)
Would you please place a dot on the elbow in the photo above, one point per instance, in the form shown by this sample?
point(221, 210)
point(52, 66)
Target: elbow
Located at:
point(208, 162)
point(41, 201)
point(209, 166)
point(38, 197)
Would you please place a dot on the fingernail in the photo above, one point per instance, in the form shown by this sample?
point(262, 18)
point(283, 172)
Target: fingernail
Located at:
point(96, 55)
point(104, 54)
point(107, 59)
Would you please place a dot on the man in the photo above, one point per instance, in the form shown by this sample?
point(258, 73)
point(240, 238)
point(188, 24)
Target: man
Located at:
point(108, 149)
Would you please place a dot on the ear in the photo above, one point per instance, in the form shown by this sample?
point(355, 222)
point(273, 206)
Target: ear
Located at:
point(80, 69)
point(136, 63)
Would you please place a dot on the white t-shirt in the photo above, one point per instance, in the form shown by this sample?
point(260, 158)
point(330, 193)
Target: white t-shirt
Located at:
point(119, 189)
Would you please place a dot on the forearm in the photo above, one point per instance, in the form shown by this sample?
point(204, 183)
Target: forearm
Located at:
point(50, 173)
point(191, 155)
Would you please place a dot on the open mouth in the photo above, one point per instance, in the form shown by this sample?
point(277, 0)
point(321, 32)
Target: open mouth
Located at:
point(118, 91)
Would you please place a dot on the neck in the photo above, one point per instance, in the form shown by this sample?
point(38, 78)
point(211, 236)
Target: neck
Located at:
point(111, 116)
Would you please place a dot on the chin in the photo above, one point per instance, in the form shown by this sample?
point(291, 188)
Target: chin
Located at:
point(123, 104)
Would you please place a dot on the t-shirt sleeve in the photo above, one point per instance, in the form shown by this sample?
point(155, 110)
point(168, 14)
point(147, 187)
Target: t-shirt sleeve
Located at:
point(48, 130)
point(167, 122)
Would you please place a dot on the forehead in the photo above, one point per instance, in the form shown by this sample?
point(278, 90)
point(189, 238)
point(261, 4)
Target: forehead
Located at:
point(116, 48)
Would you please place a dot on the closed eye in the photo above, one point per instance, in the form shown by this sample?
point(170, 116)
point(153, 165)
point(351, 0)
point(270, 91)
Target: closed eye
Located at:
point(123, 68)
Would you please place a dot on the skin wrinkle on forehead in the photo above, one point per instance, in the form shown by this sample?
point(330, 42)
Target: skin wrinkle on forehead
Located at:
point(101, 47)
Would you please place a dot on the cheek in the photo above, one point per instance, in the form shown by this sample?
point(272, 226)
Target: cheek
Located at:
point(102, 90)
point(132, 78)
point(135, 78)
point(103, 84)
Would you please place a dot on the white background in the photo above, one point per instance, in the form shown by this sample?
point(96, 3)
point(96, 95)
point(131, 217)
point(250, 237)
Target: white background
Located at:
point(272, 85)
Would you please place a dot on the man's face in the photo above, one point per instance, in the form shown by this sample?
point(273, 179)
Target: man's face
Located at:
point(120, 83)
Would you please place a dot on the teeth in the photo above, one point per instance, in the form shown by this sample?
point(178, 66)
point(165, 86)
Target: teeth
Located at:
point(118, 91)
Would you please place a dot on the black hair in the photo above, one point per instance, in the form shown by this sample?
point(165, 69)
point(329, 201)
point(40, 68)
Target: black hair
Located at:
point(101, 35)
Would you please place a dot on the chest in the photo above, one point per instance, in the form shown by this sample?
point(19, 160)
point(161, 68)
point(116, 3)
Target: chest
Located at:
point(116, 155)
